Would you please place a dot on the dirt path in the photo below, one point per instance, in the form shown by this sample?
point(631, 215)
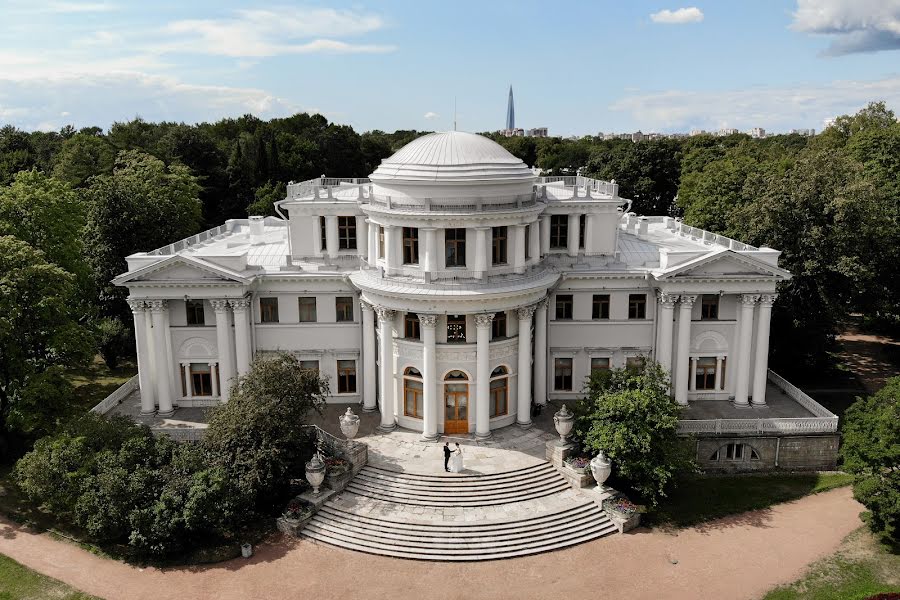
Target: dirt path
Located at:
point(738, 557)
point(873, 358)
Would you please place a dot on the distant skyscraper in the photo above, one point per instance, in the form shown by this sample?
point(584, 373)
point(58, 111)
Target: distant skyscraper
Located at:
point(510, 112)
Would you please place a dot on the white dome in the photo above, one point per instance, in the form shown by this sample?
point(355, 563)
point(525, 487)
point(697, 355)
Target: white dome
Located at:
point(451, 156)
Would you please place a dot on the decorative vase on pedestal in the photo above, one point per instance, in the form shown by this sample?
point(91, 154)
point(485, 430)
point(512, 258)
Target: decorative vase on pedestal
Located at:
point(564, 421)
point(601, 468)
point(315, 472)
point(349, 424)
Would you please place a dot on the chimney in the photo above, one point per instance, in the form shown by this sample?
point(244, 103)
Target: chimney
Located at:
point(256, 230)
point(643, 223)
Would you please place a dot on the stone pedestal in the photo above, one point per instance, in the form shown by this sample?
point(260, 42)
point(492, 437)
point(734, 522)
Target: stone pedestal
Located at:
point(292, 527)
point(577, 478)
point(338, 482)
point(557, 454)
point(623, 524)
point(317, 501)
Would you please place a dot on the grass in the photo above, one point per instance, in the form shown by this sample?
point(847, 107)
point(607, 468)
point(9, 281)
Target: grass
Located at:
point(704, 498)
point(18, 582)
point(859, 569)
point(96, 381)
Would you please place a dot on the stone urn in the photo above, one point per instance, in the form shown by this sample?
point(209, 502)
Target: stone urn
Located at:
point(601, 468)
point(315, 472)
point(349, 424)
point(564, 421)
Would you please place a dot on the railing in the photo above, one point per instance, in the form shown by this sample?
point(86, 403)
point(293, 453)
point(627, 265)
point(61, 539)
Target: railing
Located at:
point(453, 205)
point(606, 188)
point(802, 398)
point(459, 278)
point(114, 399)
point(191, 241)
point(323, 187)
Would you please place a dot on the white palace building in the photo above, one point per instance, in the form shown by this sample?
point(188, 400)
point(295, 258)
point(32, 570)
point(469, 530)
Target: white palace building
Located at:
point(452, 290)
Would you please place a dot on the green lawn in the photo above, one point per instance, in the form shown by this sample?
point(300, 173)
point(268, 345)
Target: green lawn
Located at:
point(860, 568)
point(703, 498)
point(21, 583)
point(96, 381)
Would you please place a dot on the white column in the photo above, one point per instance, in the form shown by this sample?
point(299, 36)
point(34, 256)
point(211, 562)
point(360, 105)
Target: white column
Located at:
point(429, 256)
point(692, 383)
point(518, 260)
point(331, 235)
point(481, 250)
point(241, 334)
point(684, 345)
point(145, 365)
point(373, 243)
point(390, 257)
point(213, 379)
point(540, 354)
point(545, 235)
point(523, 412)
point(666, 305)
point(370, 399)
point(589, 226)
point(386, 360)
point(163, 385)
point(429, 377)
point(186, 373)
point(742, 386)
point(170, 358)
point(223, 342)
point(483, 375)
point(572, 233)
point(719, 360)
point(761, 368)
point(362, 237)
point(534, 240)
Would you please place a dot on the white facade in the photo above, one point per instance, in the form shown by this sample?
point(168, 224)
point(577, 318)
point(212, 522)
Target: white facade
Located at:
point(451, 291)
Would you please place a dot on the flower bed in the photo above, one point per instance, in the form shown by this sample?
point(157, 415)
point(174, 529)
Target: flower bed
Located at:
point(621, 506)
point(336, 466)
point(298, 509)
point(579, 463)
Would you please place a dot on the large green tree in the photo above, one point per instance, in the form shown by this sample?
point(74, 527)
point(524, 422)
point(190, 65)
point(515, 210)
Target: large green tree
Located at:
point(647, 173)
point(83, 156)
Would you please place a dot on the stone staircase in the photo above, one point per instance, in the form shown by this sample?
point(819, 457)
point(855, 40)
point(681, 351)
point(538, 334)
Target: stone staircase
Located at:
point(459, 517)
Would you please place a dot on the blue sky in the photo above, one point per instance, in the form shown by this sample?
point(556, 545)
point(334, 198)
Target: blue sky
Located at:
point(576, 67)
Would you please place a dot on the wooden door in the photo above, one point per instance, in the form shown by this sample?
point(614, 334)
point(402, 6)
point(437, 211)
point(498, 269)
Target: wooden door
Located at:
point(456, 408)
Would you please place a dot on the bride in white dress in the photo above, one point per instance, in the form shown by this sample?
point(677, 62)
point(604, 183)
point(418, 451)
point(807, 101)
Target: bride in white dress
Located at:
point(456, 461)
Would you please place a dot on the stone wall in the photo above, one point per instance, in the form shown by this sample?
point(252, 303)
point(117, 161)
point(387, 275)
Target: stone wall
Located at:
point(767, 453)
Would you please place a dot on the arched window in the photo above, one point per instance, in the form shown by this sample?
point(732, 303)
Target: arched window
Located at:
point(499, 392)
point(412, 393)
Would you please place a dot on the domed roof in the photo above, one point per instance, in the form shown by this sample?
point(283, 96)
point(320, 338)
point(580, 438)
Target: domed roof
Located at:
point(452, 156)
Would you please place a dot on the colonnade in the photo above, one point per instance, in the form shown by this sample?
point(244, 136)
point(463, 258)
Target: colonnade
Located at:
point(755, 311)
point(390, 406)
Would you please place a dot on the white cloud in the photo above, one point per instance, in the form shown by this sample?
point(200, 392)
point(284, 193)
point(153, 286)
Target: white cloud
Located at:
point(775, 108)
point(854, 25)
point(678, 17)
point(431, 115)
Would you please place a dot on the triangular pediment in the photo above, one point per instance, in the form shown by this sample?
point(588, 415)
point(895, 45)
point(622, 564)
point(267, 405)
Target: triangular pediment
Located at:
point(725, 264)
point(181, 269)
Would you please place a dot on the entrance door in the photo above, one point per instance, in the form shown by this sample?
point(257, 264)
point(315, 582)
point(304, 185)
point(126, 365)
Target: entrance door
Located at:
point(456, 403)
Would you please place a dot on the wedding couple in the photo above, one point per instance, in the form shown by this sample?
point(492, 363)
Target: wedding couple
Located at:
point(453, 460)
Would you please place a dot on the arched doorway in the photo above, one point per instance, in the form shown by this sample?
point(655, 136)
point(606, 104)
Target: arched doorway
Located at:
point(456, 402)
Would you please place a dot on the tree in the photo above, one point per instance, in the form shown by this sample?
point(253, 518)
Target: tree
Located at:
point(629, 415)
point(647, 173)
point(257, 437)
point(83, 156)
point(871, 451)
point(266, 197)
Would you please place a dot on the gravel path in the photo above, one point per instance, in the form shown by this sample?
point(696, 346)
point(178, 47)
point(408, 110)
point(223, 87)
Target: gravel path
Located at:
point(738, 557)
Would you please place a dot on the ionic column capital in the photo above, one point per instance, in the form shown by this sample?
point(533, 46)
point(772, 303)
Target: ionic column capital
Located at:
point(384, 314)
point(767, 299)
point(427, 321)
point(240, 303)
point(688, 299)
point(219, 305)
point(526, 312)
point(137, 306)
point(749, 299)
point(484, 320)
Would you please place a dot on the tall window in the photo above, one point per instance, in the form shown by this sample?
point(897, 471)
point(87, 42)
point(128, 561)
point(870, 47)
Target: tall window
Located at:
point(346, 372)
point(380, 242)
point(582, 221)
point(600, 306)
point(194, 310)
point(310, 366)
point(562, 374)
point(344, 308)
point(410, 246)
point(599, 364)
point(563, 306)
point(498, 326)
point(412, 393)
point(527, 242)
point(499, 402)
point(559, 231)
point(498, 246)
point(307, 309)
point(347, 233)
point(734, 451)
point(709, 307)
point(455, 247)
point(637, 306)
point(323, 231)
point(411, 326)
point(201, 379)
point(706, 373)
point(268, 310)
point(456, 328)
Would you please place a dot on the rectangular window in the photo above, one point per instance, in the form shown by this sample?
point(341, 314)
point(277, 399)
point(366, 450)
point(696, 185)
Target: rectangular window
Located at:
point(600, 306)
point(734, 451)
point(562, 374)
point(310, 366)
point(344, 308)
point(709, 307)
point(380, 242)
point(268, 310)
point(346, 372)
point(634, 363)
point(307, 309)
point(323, 231)
point(456, 329)
point(455, 247)
point(194, 310)
point(706, 373)
point(498, 246)
point(582, 220)
point(201, 379)
point(411, 326)
point(563, 306)
point(498, 326)
point(527, 242)
point(599, 364)
point(637, 306)
point(347, 233)
point(410, 246)
point(559, 231)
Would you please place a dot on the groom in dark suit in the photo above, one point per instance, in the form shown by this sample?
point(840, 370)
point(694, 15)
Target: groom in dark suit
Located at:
point(447, 454)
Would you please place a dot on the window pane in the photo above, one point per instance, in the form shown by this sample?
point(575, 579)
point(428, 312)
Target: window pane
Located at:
point(456, 328)
point(194, 310)
point(559, 231)
point(563, 374)
point(600, 309)
point(498, 246)
point(637, 306)
point(346, 376)
point(411, 326)
point(347, 233)
point(564, 307)
point(268, 310)
point(410, 246)
point(599, 364)
point(344, 307)
point(455, 247)
point(498, 325)
point(307, 309)
point(709, 307)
